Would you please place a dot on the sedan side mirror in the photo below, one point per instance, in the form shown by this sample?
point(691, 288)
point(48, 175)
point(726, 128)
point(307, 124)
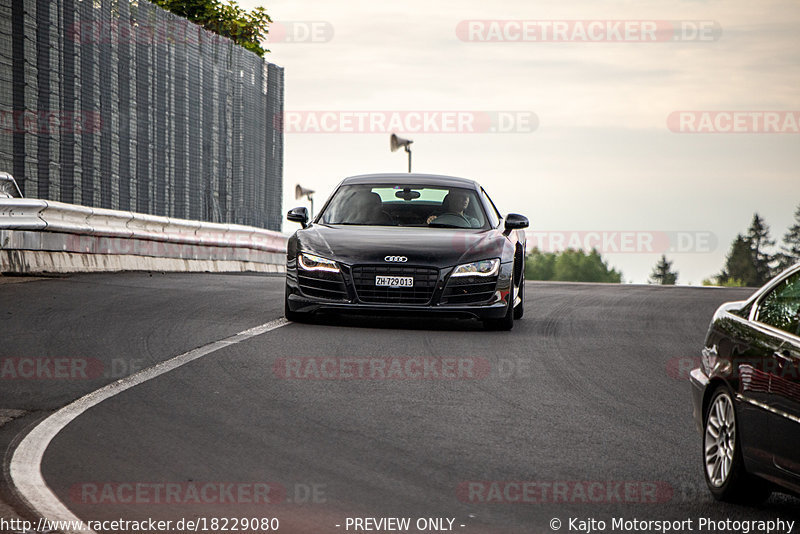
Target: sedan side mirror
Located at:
point(515, 221)
point(299, 215)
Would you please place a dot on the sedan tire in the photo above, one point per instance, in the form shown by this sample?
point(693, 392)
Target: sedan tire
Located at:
point(723, 465)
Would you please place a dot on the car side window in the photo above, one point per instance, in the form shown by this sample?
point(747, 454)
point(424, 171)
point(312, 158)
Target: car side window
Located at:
point(491, 210)
point(781, 307)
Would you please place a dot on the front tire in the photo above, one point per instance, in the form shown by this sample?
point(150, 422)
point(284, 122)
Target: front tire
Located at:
point(723, 463)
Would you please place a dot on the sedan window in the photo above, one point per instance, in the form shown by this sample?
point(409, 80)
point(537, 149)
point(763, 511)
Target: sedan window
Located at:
point(781, 307)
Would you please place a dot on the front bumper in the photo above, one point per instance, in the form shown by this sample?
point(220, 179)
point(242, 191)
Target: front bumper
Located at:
point(302, 304)
point(440, 303)
point(699, 382)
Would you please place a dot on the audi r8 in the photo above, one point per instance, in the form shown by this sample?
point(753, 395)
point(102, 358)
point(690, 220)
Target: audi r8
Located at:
point(408, 243)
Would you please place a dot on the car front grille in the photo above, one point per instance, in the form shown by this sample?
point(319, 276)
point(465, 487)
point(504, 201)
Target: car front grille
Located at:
point(425, 279)
point(469, 289)
point(321, 284)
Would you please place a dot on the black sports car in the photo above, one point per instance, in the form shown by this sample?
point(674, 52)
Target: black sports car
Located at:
point(746, 394)
point(410, 243)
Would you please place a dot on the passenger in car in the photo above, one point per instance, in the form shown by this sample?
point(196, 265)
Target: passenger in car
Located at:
point(370, 209)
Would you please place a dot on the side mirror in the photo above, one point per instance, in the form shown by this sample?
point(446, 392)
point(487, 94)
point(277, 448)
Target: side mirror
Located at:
point(299, 215)
point(515, 221)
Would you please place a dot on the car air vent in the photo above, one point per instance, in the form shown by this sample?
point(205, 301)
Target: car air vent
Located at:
point(323, 285)
point(469, 290)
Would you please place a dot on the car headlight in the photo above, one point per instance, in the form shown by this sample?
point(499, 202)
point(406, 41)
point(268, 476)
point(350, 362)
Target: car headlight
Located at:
point(311, 262)
point(478, 268)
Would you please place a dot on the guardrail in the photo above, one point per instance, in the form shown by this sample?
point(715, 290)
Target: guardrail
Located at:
point(47, 236)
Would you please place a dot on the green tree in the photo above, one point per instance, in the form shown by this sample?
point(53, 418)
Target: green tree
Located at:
point(739, 264)
point(748, 261)
point(790, 251)
point(663, 274)
point(246, 28)
point(759, 240)
point(540, 265)
point(570, 266)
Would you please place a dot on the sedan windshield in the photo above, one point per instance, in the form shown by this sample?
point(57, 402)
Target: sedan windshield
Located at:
point(405, 205)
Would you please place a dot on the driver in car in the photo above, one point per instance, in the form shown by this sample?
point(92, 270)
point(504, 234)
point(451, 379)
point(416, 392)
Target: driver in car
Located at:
point(456, 203)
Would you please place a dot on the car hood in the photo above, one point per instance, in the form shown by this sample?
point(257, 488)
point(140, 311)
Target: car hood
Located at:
point(441, 247)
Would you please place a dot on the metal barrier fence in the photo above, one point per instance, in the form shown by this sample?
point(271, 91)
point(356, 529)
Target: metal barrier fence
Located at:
point(119, 104)
point(47, 236)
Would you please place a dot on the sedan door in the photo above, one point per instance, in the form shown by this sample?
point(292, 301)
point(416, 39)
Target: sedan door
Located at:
point(779, 311)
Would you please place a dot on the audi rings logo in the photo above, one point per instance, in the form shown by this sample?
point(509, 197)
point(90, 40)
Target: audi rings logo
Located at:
point(396, 259)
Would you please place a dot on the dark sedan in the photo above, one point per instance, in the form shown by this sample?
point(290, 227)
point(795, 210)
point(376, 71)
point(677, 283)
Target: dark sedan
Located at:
point(746, 394)
point(408, 243)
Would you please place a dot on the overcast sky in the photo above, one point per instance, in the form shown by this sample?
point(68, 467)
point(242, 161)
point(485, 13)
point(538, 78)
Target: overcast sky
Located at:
point(602, 157)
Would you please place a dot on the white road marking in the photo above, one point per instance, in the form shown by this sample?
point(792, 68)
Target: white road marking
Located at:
point(25, 469)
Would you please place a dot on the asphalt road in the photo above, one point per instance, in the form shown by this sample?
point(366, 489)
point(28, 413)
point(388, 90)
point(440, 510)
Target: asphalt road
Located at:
point(586, 392)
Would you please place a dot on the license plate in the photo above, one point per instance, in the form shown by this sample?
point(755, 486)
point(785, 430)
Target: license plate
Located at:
point(394, 281)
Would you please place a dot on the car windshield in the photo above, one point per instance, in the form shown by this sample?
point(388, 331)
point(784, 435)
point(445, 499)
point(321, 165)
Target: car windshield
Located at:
point(405, 205)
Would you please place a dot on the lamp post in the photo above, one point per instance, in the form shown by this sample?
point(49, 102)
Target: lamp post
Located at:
point(397, 142)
